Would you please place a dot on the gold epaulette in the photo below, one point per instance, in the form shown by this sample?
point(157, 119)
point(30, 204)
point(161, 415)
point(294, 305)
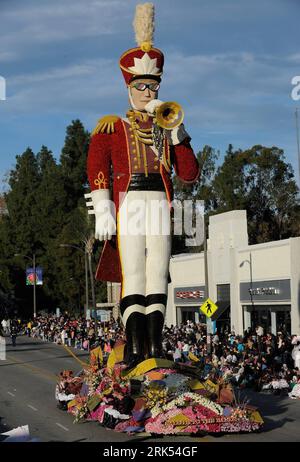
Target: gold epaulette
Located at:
point(106, 124)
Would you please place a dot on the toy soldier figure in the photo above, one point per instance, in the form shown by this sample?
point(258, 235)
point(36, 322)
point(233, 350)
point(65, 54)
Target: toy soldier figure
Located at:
point(133, 158)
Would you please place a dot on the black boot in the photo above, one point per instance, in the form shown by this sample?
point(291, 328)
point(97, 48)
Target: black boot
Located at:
point(155, 323)
point(135, 337)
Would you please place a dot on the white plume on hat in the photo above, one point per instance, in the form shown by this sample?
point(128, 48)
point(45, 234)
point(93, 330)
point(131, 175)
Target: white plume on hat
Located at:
point(144, 25)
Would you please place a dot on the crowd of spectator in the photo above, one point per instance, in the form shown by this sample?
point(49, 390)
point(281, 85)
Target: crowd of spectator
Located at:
point(78, 333)
point(257, 359)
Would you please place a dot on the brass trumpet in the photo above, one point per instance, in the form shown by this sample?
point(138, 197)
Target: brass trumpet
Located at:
point(169, 115)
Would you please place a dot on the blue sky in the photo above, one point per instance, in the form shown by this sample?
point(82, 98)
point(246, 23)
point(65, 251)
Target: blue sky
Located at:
point(228, 62)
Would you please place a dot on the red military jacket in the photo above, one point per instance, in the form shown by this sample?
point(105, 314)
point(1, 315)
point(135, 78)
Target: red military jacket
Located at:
point(109, 166)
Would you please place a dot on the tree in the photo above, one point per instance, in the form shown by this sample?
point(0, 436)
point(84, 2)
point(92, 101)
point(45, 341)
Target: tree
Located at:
point(73, 162)
point(46, 207)
point(260, 181)
point(79, 231)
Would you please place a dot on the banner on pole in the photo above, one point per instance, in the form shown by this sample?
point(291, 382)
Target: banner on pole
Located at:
point(38, 276)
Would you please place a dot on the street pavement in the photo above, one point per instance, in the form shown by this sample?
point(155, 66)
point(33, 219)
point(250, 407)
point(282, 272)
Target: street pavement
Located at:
point(27, 397)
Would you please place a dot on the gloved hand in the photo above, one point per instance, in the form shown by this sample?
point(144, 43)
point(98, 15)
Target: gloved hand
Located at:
point(105, 221)
point(176, 135)
point(153, 105)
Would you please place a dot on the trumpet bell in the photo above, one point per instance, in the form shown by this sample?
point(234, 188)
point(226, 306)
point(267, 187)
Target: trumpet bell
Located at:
point(169, 115)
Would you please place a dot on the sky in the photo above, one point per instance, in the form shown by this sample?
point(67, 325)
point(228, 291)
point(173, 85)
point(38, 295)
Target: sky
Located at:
point(229, 63)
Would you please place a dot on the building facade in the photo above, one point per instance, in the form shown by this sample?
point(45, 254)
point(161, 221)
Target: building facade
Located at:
point(251, 285)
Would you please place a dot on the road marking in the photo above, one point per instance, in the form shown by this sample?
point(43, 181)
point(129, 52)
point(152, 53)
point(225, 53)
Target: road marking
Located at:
point(32, 407)
point(11, 394)
point(61, 426)
point(34, 369)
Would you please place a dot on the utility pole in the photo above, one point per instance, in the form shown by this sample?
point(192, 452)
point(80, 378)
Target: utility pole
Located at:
point(84, 251)
point(253, 321)
point(208, 320)
point(86, 284)
point(89, 243)
point(34, 287)
point(33, 260)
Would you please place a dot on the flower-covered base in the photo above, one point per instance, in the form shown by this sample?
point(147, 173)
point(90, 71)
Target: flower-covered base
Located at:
point(158, 397)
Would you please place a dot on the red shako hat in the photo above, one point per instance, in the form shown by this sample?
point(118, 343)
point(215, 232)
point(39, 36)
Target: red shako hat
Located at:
point(144, 60)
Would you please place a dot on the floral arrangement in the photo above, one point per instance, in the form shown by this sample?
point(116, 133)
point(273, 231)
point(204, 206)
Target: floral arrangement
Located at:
point(155, 396)
point(195, 419)
point(92, 377)
point(79, 409)
point(185, 400)
point(163, 405)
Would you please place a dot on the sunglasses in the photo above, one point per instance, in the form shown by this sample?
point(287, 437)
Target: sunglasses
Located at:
point(142, 86)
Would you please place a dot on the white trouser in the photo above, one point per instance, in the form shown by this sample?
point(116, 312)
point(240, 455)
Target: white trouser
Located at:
point(144, 242)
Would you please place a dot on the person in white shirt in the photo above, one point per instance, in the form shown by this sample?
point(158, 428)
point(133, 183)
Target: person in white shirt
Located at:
point(216, 339)
point(185, 351)
point(177, 355)
point(4, 326)
point(296, 351)
point(234, 359)
point(260, 331)
point(63, 336)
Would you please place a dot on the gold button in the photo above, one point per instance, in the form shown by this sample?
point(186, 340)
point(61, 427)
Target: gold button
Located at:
point(155, 159)
point(155, 167)
point(135, 158)
point(130, 129)
point(133, 151)
point(135, 167)
point(131, 136)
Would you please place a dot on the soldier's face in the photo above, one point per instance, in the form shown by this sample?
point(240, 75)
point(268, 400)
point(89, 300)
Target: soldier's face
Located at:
point(141, 97)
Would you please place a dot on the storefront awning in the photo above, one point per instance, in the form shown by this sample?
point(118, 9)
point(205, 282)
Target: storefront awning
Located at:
point(222, 307)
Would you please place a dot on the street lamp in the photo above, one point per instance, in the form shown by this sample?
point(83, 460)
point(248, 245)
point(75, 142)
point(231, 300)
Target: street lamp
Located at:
point(209, 327)
point(251, 281)
point(86, 272)
point(32, 259)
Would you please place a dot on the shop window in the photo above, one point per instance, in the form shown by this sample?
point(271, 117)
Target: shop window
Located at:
point(283, 321)
point(223, 292)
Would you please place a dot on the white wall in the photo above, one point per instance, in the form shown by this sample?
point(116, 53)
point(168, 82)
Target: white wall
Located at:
point(227, 248)
point(295, 284)
point(193, 265)
point(271, 260)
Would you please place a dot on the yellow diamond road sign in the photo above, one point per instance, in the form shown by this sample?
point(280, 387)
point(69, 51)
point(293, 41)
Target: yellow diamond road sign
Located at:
point(208, 308)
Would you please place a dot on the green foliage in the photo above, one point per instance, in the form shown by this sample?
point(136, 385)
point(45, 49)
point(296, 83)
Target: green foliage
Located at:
point(258, 180)
point(46, 208)
point(73, 162)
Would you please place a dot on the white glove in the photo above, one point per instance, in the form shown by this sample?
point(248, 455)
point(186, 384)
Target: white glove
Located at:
point(174, 136)
point(105, 223)
point(153, 105)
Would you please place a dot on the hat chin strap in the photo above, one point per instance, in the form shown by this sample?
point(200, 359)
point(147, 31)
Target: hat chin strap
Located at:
point(131, 100)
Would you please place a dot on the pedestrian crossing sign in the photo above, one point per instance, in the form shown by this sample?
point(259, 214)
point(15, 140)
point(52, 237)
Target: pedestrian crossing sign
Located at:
point(208, 308)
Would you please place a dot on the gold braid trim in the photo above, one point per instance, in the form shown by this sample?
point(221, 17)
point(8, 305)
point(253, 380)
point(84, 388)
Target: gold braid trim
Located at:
point(166, 158)
point(106, 124)
point(145, 159)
